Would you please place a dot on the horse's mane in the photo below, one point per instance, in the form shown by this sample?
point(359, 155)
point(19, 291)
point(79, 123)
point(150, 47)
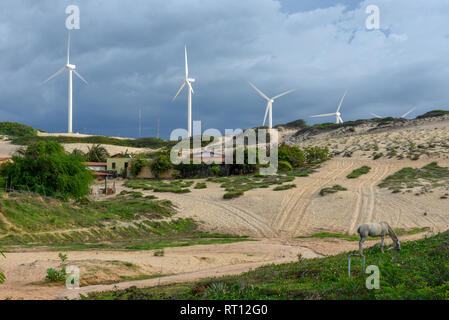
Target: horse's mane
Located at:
point(391, 232)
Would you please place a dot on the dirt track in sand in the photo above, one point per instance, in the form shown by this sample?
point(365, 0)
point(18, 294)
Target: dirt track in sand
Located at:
point(265, 213)
point(182, 264)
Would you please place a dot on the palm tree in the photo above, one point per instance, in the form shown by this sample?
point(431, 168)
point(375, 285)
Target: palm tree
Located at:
point(97, 153)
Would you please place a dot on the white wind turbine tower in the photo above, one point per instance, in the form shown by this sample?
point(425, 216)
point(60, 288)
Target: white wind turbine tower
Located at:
point(337, 114)
point(408, 112)
point(269, 104)
point(71, 68)
point(189, 82)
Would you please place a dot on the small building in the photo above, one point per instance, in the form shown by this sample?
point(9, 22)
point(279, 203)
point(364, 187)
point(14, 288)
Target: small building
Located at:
point(119, 165)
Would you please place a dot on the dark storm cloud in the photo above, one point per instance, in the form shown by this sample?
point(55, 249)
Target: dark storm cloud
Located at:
point(132, 55)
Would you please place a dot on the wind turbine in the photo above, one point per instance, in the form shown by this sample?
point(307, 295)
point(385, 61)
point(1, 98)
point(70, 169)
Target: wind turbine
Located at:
point(337, 114)
point(376, 115)
point(408, 112)
point(189, 82)
point(269, 104)
point(71, 68)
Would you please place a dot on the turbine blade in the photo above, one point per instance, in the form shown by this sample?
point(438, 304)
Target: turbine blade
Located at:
point(266, 113)
point(376, 115)
point(54, 75)
point(323, 115)
point(341, 101)
point(283, 94)
point(79, 76)
point(180, 89)
point(408, 112)
point(68, 47)
point(187, 65)
point(260, 92)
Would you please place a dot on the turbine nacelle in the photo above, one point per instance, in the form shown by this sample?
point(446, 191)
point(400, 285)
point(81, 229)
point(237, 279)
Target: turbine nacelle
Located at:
point(70, 66)
point(190, 79)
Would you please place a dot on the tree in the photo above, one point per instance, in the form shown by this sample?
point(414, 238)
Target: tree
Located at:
point(97, 153)
point(45, 168)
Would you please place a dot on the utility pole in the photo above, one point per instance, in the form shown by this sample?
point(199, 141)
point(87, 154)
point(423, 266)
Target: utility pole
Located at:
point(140, 122)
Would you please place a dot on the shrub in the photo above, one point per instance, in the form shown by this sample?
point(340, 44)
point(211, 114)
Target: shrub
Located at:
point(54, 275)
point(285, 187)
point(16, 129)
point(215, 170)
point(377, 156)
point(200, 185)
point(358, 172)
point(159, 253)
point(45, 168)
point(292, 155)
point(232, 194)
point(284, 166)
point(161, 164)
point(333, 189)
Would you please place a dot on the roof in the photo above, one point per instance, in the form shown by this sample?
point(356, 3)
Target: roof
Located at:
point(101, 174)
point(99, 164)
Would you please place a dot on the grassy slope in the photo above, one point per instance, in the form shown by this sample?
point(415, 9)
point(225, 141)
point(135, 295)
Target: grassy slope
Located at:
point(121, 222)
point(419, 271)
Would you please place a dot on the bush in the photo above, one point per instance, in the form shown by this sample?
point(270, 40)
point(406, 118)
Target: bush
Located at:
point(292, 155)
point(358, 172)
point(161, 164)
point(377, 156)
point(233, 194)
point(54, 275)
point(315, 155)
point(16, 129)
point(284, 166)
point(45, 168)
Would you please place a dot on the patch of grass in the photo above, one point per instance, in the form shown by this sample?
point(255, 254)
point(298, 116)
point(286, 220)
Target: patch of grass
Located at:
point(333, 189)
point(378, 155)
point(200, 185)
point(157, 185)
point(321, 278)
point(285, 187)
point(431, 176)
point(236, 186)
point(346, 237)
point(358, 172)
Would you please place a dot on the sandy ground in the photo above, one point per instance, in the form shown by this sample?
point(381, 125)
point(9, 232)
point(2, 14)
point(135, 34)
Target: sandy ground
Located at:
point(25, 271)
point(302, 211)
point(274, 218)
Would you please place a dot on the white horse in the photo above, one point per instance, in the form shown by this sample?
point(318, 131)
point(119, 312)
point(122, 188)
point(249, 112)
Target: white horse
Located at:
point(377, 229)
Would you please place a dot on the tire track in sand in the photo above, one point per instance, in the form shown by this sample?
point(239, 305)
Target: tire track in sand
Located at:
point(365, 203)
point(250, 220)
point(302, 210)
point(302, 200)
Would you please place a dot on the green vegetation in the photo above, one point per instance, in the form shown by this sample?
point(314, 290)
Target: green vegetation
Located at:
point(55, 275)
point(97, 153)
point(346, 237)
point(133, 143)
point(45, 168)
point(16, 129)
point(358, 172)
point(333, 189)
point(429, 177)
point(322, 278)
point(378, 155)
point(200, 185)
point(236, 186)
point(174, 186)
point(123, 222)
point(285, 187)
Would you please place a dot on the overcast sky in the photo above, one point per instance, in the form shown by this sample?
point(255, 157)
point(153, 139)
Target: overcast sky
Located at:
point(132, 54)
